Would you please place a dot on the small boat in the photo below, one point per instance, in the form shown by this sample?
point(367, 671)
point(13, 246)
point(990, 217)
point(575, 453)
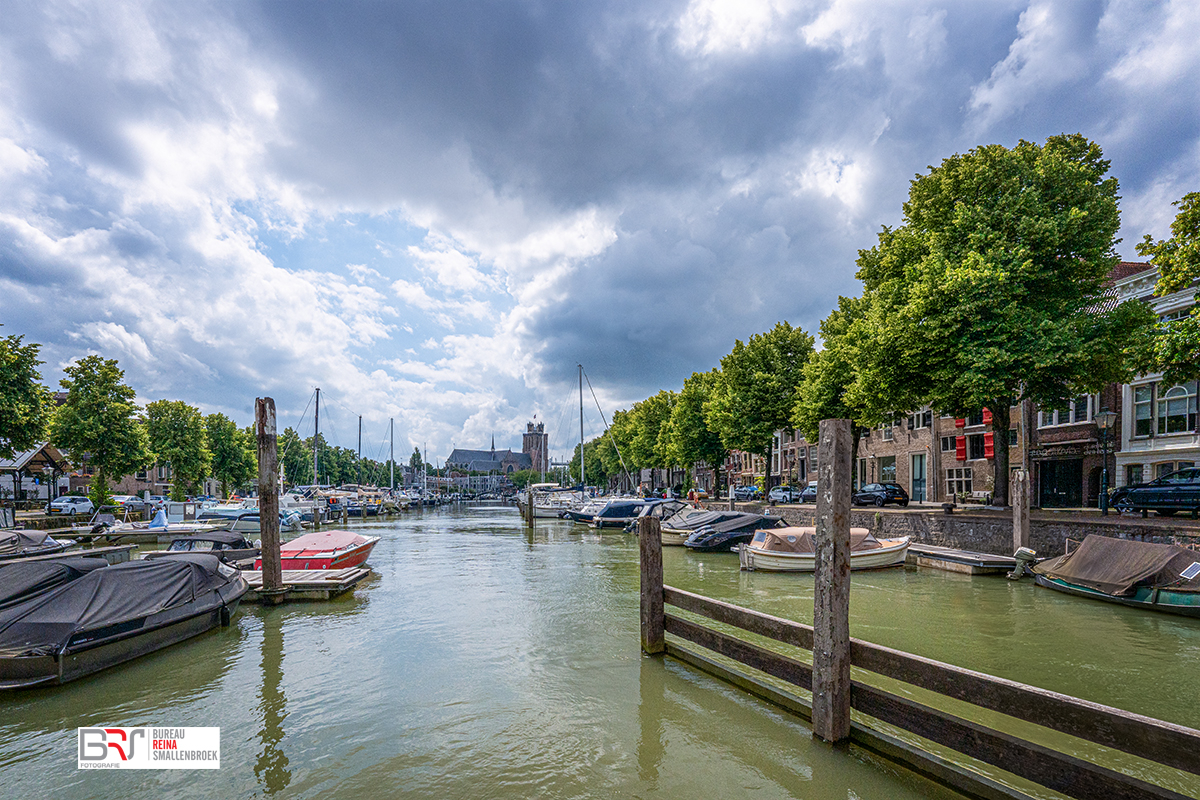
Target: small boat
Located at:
point(325, 550)
point(1158, 577)
point(726, 534)
point(21, 580)
point(112, 615)
point(682, 527)
point(618, 513)
point(15, 544)
point(229, 546)
point(794, 550)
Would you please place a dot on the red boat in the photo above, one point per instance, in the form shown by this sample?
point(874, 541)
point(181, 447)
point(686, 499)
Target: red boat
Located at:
point(325, 550)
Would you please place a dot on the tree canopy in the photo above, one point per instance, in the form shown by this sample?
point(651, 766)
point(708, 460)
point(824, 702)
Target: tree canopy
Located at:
point(1175, 351)
point(648, 419)
point(692, 435)
point(24, 401)
point(234, 455)
point(176, 437)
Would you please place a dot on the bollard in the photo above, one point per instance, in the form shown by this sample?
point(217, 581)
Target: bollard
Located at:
point(268, 499)
point(1020, 506)
point(831, 596)
point(650, 555)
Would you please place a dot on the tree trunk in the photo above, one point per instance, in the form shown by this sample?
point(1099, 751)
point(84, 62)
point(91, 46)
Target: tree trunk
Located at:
point(855, 433)
point(767, 478)
point(1000, 425)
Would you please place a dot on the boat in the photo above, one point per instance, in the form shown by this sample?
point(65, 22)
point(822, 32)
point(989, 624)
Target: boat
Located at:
point(16, 544)
point(1157, 577)
point(678, 529)
point(325, 550)
point(724, 535)
point(229, 546)
point(21, 580)
point(112, 615)
point(794, 550)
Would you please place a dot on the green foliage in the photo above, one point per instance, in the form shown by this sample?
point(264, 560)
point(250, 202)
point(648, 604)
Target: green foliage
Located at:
point(523, 477)
point(176, 434)
point(24, 401)
point(1175, 350)
point(415, 461)
point(234, 455)
point(295, 458)
point(829, 373)
point(98, 492)
point(648, 419)
point(691, 435)
point(595, 472)
point(98, 421)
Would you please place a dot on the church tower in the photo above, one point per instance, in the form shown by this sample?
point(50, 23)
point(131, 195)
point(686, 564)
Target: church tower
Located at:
point(536, 443)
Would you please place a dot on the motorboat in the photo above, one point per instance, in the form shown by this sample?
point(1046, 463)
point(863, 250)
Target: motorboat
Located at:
point(114, 614)
point(659, 509)
point(793, 549)
point(551, 501)
point(618, 513)
point(724, 535)
point(15, 544)
point(21, 580)
point(325, 550)
point(229, 546)
point(1157, 577)
point(678, 529)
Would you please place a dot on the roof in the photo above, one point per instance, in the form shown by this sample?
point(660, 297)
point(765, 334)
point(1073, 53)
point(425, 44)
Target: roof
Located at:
point(1125, 269)
point(36, 459)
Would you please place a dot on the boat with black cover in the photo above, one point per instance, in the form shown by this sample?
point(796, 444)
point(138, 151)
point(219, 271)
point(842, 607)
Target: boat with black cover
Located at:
point(229, 546)
point(15, 544)
point(682, 526)
point(112, 615)
point(726, 534)
point(23, 580)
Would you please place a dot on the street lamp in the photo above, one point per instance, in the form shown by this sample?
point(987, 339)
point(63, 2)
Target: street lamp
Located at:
point(1104, 421)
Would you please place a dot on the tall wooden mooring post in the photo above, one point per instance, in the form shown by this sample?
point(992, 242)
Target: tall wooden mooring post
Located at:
point(831, 595)
point(268, 500)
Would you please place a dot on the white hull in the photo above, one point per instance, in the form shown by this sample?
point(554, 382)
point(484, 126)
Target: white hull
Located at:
point(891, 554)
point(673, 538)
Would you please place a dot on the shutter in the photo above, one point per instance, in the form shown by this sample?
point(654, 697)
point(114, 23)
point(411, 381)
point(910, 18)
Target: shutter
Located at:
point(989, 445)
point(987, 417)
point(960, 422)
point(960, 447)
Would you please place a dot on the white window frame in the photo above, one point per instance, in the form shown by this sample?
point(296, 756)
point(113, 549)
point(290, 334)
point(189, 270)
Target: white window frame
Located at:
point(1066, 416)
point(1168, 399)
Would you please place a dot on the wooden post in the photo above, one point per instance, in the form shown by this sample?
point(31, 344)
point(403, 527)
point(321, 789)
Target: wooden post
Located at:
point(268, 499)
point(650, 550)
point(831, 598)
point(1020, 506)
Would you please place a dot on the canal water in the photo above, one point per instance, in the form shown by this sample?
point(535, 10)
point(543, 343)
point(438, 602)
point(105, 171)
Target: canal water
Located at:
point(485, 660)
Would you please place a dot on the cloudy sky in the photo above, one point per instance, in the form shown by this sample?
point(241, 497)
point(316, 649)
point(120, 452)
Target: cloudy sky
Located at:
point(435, 210)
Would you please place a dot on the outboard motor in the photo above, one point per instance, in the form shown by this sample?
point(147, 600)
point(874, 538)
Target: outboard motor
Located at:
point(1025, 559)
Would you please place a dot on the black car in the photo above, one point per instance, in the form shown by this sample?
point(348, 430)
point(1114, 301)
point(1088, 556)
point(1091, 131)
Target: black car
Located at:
point(809, 495)
point(881, 494)
point(1175, 491)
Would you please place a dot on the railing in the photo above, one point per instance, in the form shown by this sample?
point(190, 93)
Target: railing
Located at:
point(835, 693)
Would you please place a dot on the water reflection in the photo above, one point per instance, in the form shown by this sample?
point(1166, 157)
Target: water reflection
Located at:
point(271, 769)
point(652, 740)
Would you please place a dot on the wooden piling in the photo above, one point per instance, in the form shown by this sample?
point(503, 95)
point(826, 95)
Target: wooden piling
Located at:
point(831, 598)
point(650, 551)
point(268, 499)
point(1020, 507)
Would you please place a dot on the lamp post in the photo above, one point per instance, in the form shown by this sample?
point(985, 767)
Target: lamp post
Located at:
point(1104, 421)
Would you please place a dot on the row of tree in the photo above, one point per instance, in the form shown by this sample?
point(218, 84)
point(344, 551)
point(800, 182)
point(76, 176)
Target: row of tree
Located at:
point(994, 290)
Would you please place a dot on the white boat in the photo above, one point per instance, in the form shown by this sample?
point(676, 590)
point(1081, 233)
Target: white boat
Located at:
point(793, 550)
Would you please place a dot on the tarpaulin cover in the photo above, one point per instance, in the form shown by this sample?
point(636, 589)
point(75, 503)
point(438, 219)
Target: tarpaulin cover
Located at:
point(115, 594)
point(232, 539)
point(1119, 566)
point(16, 541)
point(803, 540)
point(21, 580)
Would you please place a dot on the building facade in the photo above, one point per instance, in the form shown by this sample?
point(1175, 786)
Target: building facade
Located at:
point(535, 443)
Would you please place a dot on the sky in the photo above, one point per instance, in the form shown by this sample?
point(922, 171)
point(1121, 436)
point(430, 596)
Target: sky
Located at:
point(434, 211)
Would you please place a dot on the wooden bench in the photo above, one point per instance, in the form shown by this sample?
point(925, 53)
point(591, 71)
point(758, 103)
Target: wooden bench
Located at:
point(983, 498)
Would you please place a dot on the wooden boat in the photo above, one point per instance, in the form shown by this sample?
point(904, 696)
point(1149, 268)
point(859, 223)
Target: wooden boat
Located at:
point(325, 550)
point(793, 550)
point(112, 615)
point(1156, 577)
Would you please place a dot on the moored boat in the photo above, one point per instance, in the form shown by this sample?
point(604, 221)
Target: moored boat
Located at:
point(229, 546)
point(325, 550)
point(16, 544)
point(22, 580)
point(794, 550)
point(679, 529)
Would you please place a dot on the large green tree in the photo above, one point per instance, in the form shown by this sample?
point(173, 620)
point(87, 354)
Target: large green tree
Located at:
point(295, 458)
point(992, 289)
point(1175, 350)
point(99, 422)
point(24, 401)
point(234, 457)
point(614, 452)
point(691, 435)
point(176, 436)
point(756, 391)
point(648, 448)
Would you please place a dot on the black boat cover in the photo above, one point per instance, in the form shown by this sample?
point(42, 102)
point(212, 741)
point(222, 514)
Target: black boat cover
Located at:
point(16, 541)
point(1118, 567)
point(230, 538)
point(21, 580)
point(127, 592)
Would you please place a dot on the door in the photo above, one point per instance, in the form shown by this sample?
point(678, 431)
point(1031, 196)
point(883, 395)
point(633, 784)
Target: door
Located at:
point(1060, 483)
point(917, 490)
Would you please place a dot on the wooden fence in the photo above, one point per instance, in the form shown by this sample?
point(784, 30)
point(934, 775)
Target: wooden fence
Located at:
point(1154, 740)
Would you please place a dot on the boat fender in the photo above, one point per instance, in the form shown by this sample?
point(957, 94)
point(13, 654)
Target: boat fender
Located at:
point(226, 616)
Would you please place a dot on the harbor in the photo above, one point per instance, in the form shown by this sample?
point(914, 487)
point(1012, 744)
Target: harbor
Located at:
point(485, 656)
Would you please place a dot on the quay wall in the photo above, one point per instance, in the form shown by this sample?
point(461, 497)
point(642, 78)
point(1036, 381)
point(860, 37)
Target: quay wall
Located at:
point(991, 531)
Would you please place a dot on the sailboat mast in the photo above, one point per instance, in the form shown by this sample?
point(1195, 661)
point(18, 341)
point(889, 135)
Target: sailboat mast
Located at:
point(359, 478)
point(392, 454)
point(316, 439)
point(582, 478)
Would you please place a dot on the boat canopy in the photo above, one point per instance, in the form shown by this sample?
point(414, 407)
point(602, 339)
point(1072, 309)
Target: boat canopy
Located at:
point(21, 580)
point(120, 594)
point(323, 541)
point(1118, 567)
point(16, 541)
point(803, 540)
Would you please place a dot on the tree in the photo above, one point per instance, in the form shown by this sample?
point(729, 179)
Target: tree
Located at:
point(647, 448)
point(992, 290)
point(692, 435)
point(1175, 350)
point(24, 401)
point(614, 452)
point(756, 391)
point(99, 423)
point(415, 461)
point(595, 473)
point(295, 458)
point(176, 434)
point(234, 462)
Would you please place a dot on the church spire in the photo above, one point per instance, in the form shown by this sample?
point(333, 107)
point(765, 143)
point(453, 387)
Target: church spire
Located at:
point(493, 447)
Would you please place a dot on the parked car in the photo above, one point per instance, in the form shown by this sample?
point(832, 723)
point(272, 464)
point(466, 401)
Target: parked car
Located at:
point(881, 494)
point(784, 494)
point(809, 495)
point(745, 492)
point(1173, 492)
point(70, 504)
point(157, 501)
point(129, 502)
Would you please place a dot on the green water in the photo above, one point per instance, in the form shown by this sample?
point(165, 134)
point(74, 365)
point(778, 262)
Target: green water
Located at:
point(482, 660)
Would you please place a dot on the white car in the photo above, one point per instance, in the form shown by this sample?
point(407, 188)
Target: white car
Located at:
point(70, 504)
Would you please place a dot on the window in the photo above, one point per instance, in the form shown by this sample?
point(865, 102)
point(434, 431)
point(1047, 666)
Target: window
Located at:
point(1165, 468)
point(1078, 410)
point(1173, 316)
point(1133, 474)
point(1177, 409)
point(141, 475)
point(958, 481)
point(862, 471)
point(975, 418)
point(887, 433)
point(975, 446)
point(1012, 437)
point(1142, 397)
point(947, 444)
point(887, 468)
point(921, 419)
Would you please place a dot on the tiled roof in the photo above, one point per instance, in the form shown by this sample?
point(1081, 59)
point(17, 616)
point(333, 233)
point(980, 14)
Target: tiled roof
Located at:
point(1124, 269)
